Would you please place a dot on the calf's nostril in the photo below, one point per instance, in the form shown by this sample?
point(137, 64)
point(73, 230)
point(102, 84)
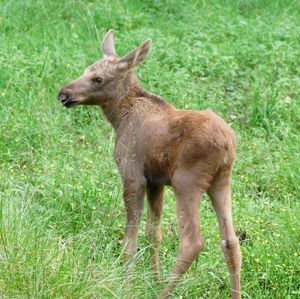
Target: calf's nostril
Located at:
point(62, 97)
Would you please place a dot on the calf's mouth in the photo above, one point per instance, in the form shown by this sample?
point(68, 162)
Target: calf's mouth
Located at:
point(66, 99)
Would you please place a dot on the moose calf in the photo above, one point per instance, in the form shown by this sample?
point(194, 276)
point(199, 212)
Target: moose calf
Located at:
point(158, 145)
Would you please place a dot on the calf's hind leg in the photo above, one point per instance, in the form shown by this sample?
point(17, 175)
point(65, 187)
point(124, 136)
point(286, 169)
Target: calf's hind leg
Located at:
point(221, 200)
point(191, 243)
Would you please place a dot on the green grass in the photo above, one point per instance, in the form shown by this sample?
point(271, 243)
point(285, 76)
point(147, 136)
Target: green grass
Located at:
point(61, 210)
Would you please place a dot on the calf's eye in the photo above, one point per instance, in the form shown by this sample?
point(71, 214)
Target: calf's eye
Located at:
point(98, 80)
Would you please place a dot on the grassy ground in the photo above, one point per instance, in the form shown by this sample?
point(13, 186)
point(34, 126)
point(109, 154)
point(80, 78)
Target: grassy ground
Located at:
point(61, 210)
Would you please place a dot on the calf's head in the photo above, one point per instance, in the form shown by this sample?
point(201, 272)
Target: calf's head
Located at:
point(105, 81)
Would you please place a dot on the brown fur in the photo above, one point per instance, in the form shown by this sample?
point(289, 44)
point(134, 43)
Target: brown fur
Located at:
point(157, 145)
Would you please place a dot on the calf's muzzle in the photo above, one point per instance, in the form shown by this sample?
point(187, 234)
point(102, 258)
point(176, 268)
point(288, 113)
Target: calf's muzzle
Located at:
point(66, 98)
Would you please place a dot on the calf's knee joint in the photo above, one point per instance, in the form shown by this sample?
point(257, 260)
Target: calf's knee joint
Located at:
point(193, 247)
point(229, 244)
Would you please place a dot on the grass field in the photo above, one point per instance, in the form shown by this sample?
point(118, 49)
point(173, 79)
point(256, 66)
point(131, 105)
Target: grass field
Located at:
point(61, 209)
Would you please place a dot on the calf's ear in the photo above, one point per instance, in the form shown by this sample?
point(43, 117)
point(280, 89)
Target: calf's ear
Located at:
point(136, 56)
point(108, 44)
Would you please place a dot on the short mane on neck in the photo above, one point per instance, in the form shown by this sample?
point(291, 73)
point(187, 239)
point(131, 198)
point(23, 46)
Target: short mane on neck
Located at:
point(132, 93)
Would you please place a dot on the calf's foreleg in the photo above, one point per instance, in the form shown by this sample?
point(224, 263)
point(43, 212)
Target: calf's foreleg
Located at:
point(155, 195)
point(134, 191)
